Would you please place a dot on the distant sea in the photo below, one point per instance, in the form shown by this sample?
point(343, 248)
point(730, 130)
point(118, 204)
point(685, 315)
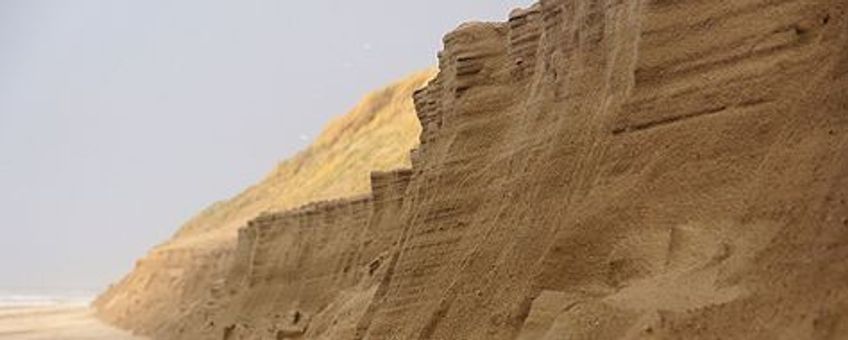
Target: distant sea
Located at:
point(44, 298)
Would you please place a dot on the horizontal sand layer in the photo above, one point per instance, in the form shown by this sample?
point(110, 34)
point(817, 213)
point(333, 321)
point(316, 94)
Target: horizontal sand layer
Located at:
point(68, 322)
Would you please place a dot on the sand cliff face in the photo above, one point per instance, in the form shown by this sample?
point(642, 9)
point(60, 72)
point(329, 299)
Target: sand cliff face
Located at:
point(589, 169)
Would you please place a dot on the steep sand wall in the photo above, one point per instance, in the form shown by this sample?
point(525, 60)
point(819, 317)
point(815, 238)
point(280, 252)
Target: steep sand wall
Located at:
point(611, 169)
point(590, 169)
point(310, 271)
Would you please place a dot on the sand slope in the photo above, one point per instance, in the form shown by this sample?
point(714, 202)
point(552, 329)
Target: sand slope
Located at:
point(57, 322)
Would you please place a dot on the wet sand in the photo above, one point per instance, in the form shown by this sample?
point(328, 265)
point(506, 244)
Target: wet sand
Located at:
point(67, 322)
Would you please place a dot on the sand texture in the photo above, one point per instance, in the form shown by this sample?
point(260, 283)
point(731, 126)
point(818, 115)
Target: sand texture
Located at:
point(56, 323)
point(590, 169)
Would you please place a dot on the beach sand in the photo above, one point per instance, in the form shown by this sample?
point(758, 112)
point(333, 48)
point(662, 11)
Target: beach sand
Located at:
point(63, 322)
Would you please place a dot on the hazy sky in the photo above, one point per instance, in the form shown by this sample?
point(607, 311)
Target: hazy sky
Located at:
point(121, 119)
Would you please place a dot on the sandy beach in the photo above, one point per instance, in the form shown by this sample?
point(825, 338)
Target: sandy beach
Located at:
point(66, 322)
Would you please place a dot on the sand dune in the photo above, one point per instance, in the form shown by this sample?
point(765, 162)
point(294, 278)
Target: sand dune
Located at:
point(67, 322)
point(587, 170)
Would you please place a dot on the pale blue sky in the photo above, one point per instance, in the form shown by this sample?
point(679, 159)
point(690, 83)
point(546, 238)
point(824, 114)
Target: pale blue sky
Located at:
point(121, 119)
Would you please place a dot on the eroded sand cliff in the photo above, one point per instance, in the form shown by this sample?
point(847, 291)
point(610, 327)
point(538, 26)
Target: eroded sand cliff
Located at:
point(588, 170)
